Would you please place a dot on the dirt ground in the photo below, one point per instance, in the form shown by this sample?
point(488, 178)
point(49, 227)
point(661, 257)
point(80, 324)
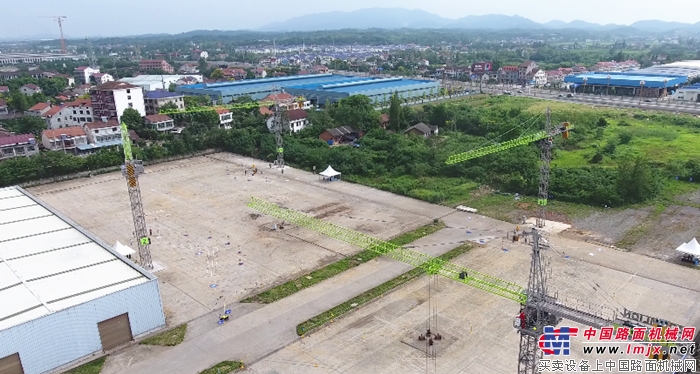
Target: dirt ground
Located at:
point(676, 225)
point(214, 250)
point(610, 226)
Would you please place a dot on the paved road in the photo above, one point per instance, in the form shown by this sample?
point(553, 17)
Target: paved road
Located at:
point(258, 333)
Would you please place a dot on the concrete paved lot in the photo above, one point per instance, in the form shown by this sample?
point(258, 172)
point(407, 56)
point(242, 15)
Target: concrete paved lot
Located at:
point(205, 199)
point(376, 339)
point(206, 196)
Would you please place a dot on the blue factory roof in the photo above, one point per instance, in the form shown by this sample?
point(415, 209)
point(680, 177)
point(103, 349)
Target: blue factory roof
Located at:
point(361, 84)
point(695, 86)
point(630, 79)
point(161, 94)
point(279, 82)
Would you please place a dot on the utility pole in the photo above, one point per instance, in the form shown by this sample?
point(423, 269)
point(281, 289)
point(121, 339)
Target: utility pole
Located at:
point(91, 56)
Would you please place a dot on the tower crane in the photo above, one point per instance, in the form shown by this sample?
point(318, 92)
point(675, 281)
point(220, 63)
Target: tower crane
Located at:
point(131, 170)
point(60, 19)
point(539, 307)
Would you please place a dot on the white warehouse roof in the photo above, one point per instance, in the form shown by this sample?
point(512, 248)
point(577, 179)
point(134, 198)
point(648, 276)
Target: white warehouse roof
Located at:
point(48, 263)
point(157, 82)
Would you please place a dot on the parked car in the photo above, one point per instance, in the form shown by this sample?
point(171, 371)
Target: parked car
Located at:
point(560, 95)
point(520, 91)
point(570, 95)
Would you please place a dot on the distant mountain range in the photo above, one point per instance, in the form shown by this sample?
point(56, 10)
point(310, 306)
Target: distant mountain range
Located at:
point(397, 18)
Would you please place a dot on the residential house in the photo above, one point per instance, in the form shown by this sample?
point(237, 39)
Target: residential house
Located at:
point(189, 68)
point(38, 109)
point(4, 110)
point(540, 77)
point(187, 80)
point(384, 121)
point(524, 70)
point(66, 139)
point(225, 118)
point(30, 89)
point(82, 74)
point(82, 89)
point(566, 71)
point(18, 145)
point(340, 135)
point(9, 75)
point(421, 129)
point(101, 78)
point(4, 89)
point(509, 74)
point(50, 74)
point(74, 113)
point(287, 101)
point(145, 65)
point(112, 98)
point(579, 69)
point(298, 120)
point(159, 122)
point(320, 69)
point(260, 73)
point(102, 134)
point(554, 77)
point(154, 100)
point(265, 111)
point(237, 74)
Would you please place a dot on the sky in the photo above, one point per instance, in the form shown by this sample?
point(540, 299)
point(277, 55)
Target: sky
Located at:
point(135, 17)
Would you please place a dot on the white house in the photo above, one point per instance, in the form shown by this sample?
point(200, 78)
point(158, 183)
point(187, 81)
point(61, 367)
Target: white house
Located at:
point(3, 107)
point(101, 78)
point(540, 77)
point(18, 145)
point(30, 89)
point(103, 133)
point(67, 139)
point(74, 113)
point(159, 122)
point(298, 120)
point(82, 74)
point(225, 118)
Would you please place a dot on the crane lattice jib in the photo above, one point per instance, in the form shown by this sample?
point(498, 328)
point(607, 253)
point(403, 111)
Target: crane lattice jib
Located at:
point(203, 109)
point(523, 140)
point(126, 142)
point(430, 264)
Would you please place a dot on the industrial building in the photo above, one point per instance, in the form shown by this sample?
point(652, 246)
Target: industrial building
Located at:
point(33, 58)
point(158, 82)
point(631, 84)
point(318, 88)
point(64, 294)
point(377, 89)
point(688, 68)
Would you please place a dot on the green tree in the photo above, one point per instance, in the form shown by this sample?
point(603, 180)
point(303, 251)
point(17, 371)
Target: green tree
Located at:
point(217, 74)
point(26, 125)
point(171, 87)
point(249, 74)
point(132, 118)
point(168, 107)
point(19, 102)
point(356, 111)
point(636, 181)
point(395, 113)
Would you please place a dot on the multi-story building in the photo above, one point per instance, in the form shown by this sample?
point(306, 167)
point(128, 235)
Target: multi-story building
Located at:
point(145, 65)
point(102, 134)
point(237, 74)
point(154, 100)
point(66, 139)
point(509, 74)
point(540, 77)
point(82, 74)
point(159, 122)
point(112, 98)
point(17, 145)
point(524, 70)
point(74, 113)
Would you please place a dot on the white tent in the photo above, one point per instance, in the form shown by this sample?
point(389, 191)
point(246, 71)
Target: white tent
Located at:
point(692, 248)
point(123, 250)
point(329, 172)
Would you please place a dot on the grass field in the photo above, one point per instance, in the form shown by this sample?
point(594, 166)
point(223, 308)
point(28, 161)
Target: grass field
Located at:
point(92, 367)
point(168, 338)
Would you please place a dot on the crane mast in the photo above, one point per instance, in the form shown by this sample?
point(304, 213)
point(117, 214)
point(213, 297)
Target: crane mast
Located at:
point(132, 169)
